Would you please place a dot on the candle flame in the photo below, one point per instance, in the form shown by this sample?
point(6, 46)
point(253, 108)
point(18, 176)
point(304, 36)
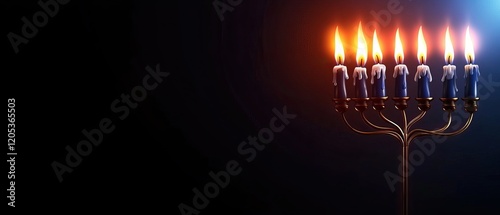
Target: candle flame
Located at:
point(469, 49)
point(377, 52)
point(398, 51)
point(422, 47)
point(362, 53)
point(339, 49)
point(449, 53)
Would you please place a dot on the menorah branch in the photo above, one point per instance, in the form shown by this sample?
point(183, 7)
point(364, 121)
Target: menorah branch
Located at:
point(422, 132)
point(388, 132)
point(390, 122)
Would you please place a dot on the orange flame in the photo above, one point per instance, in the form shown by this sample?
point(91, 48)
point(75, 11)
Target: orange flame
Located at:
point(469, 49)
point(398, 51)
point(422, 47)
point(377, 52)
point(339, 49)
point(362, 53)
point(449, 53)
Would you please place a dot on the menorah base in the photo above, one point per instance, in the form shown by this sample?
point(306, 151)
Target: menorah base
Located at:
point(471, 104)
point(424, 104)
point(449, 104)
point(378, 102)
point(341, 105)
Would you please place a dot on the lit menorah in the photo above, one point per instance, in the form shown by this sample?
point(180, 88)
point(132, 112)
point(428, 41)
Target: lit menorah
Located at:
point(403, 133)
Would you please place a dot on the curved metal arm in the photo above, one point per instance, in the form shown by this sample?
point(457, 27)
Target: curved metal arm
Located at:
point(390, 122)
point(416, 119)
point(373, 125)
point(421, 132)
point(388, 132)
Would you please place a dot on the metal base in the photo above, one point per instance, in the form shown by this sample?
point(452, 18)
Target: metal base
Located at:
point(378, 102)
point(471, 104)
point(449, 104)
point(424, 104)
point(341, 105)
point(401, 102)
point(361, 104)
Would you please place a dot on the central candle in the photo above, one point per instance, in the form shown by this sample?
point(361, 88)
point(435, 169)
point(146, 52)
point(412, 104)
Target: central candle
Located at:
point(423, 75)
point(378, 70)
point(400, 71)
point(359, 75)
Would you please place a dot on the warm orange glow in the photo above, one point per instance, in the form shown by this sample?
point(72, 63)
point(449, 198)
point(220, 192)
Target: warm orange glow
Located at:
point(339, 49)
point(377, 52)
point(362, 53)
point(469, 49)
point(422, 47)
point(398, 50)
point(449, 53)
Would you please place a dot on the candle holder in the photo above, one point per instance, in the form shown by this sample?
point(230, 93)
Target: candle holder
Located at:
point(403, 133)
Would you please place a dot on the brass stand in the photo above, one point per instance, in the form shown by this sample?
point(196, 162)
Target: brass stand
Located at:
point(403, 133)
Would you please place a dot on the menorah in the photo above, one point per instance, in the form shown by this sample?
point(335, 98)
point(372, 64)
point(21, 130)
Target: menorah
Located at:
point(403, 133)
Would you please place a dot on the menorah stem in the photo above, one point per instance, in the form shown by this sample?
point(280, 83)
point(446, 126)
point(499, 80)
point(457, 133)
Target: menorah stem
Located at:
point(404, 166)
point(404, 169)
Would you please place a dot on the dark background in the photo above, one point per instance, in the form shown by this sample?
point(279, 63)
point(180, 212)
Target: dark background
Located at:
point(226, 77)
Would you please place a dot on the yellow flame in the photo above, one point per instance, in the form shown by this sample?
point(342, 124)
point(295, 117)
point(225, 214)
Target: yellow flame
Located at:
point(362, 53)
point(377, 52)
point(339, 49)
point(422, 47)
point(469, 49)
point(398, 51)
point(449, 53)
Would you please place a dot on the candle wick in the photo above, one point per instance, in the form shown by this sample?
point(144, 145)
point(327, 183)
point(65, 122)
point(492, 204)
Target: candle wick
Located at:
point(378, 60)
point(449, 59)
point(422, 60)
point(470, 59)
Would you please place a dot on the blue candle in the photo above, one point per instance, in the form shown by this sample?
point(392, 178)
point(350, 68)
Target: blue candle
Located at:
point(360, 77)
point(378, 80)
point(449, 78)
point(471, 79)
point(400, 71)
point(471, 70)
point(423, 75)
point(378, 70)
point(339, 77)
point(339, 71)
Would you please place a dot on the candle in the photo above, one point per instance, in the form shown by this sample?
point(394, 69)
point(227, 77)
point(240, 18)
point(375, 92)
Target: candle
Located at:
point(378, 70)
point(471, 69)
point(339, 71)
point(400, 70)
point(449, 78)
point(423, 75)
point(359, 75)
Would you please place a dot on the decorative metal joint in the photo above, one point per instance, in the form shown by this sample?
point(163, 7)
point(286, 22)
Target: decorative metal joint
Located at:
point(341, 104)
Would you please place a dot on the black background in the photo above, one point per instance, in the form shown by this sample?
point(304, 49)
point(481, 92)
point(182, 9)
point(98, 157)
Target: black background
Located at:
point(225, 79)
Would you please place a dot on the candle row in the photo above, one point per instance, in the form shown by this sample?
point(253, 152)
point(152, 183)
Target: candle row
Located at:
point(423, 75)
